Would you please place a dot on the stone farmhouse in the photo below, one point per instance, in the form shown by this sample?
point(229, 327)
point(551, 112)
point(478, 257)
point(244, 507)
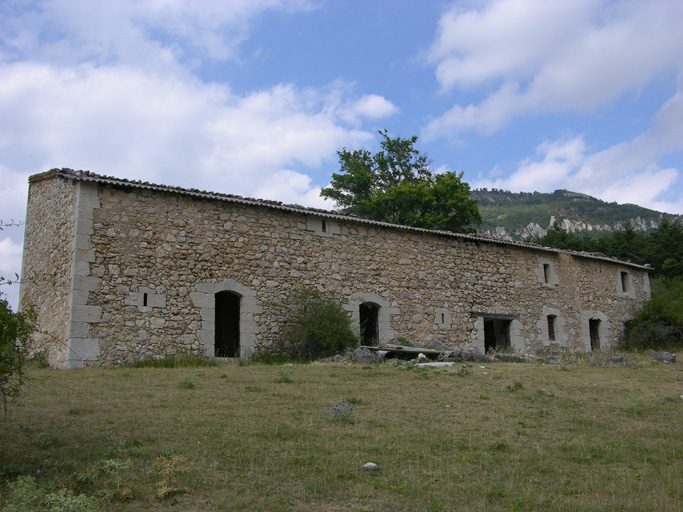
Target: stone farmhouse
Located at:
point(122, 270)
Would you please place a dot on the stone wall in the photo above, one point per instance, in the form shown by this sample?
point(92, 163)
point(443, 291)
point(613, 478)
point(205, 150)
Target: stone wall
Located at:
point(47, 262)
point(161, 256)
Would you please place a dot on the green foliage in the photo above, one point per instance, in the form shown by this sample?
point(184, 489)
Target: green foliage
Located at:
point(316, 326)
point(514, 211)
point(662, 247)
point(188, 382)
point(285, 374)
point(514, 387)
point(659, 323)
point(26, 496)
point(15, 336)
point(397, 185)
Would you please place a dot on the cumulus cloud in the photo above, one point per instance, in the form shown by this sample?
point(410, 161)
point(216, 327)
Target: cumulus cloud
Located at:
point(109, 87)
point(537, 57)
point(292, 187)
point(372, 106)
point(527, 58)
point(155, 36)
point(115, 87)
point(625, 172)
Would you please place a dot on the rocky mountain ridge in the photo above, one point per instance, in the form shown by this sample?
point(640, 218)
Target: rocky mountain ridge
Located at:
point(521, 216)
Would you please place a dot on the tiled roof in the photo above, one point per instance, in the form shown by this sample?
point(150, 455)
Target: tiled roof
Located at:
point(216, 196)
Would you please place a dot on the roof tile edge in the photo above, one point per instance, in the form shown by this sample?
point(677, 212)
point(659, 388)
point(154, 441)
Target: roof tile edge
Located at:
point(278, 205)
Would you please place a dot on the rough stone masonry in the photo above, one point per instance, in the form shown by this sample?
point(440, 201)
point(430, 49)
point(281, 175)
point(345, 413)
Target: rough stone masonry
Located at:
point(122, 270)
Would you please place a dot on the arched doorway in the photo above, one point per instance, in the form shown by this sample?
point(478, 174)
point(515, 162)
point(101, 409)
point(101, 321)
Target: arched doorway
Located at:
point(227, 343)
point(369, 323)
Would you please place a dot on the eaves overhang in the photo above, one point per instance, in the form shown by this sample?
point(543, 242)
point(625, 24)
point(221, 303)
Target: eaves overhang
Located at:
point(88, 176)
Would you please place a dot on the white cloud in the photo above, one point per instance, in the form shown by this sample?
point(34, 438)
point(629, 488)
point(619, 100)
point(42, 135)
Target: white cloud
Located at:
point(536, 57)
point(291, 187)
point(123, 122)
point(110, 86)
point(154, 35)
point(372, 106)
point(10, 257)
point(10, 266)
point(555, 162)
point(625, 172)
point(509, 39)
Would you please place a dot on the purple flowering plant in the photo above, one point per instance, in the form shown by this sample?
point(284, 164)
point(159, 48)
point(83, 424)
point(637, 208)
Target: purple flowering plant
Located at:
point(342, 412)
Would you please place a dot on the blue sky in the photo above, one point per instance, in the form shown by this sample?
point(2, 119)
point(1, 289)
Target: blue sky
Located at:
point(255, 97)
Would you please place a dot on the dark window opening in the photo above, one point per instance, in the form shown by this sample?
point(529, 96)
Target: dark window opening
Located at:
point(324, 226)
point(496, 334)
point(625, 282)
point(443, 318)
point(369, 324)
point(144, 299)
point(551, 327)
point(227, 342)
point(546, 272)
point(594, 330)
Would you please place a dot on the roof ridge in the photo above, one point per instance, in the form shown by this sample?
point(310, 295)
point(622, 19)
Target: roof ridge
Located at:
point(268, 203)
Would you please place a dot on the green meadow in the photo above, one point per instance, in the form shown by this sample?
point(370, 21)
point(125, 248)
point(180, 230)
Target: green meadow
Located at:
point(587, 435)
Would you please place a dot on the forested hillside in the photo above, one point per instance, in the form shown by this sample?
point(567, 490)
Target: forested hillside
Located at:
point(519, 216)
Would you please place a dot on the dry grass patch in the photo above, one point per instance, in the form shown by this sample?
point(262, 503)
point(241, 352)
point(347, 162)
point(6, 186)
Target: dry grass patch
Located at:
point(505, 437)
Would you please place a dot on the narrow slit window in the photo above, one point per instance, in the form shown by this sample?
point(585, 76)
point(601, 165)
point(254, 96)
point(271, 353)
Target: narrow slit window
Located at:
point(625, 282)
point(443, 318)
point(551, 327)
point(546, 272)
point(144, 299)
point(324, 226)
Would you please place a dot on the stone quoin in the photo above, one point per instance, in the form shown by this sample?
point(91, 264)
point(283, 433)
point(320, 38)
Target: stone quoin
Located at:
point(122, 270)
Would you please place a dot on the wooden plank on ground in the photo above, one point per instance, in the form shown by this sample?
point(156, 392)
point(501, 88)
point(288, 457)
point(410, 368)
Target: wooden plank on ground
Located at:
point(405, 350)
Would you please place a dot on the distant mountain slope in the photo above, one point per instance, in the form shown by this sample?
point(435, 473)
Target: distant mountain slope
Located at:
point(517, 216)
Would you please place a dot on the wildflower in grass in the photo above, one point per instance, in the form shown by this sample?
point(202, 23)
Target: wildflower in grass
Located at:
point(342, 412)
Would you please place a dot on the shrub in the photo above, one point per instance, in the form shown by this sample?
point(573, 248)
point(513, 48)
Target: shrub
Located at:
point(188, 382)
point(659, 323)
point(15, 336)
point(285, 374)
point(26, 496)
point(316, 326)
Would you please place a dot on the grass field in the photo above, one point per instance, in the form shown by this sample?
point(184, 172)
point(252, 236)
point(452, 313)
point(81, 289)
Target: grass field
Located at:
point(506, 437)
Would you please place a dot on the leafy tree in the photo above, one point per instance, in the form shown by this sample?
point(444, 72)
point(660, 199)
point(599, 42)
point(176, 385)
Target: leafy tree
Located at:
point(662, 247)
point(659, 323)
point(665, 243)
point(15, 334)
point(397, 185)
point(560, 239)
